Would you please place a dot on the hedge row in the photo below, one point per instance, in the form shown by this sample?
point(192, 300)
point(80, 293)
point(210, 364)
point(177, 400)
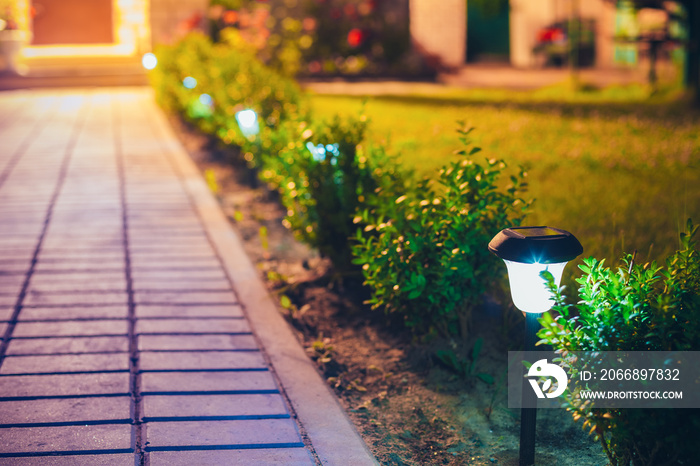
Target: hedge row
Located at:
point(420, 245)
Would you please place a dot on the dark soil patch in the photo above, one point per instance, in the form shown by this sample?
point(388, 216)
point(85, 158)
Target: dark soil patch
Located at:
point(409, 408)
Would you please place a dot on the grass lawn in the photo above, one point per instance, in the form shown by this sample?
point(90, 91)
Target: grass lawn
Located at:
point(618, 170)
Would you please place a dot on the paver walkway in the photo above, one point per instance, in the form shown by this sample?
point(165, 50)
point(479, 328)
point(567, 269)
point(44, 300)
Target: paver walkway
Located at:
point(134, 329)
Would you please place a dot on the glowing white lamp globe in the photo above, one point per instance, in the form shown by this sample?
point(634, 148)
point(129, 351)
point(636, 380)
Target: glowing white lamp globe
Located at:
point(248, 122)
point(527, 252)
point(149, 61)
point(528, 288)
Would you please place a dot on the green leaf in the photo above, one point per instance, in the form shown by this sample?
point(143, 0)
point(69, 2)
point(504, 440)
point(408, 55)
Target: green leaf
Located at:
point(285, 302)
point(415, 293)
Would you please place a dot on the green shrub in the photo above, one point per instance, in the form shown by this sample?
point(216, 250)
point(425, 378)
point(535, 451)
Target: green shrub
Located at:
point(323, 177)
point(175, 62)
point(233, 78)
point(635, 308)
point(423, 252)
point(242, 81)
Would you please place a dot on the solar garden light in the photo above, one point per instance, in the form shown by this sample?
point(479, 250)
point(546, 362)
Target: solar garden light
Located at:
point(248, 122)
point(527, 252)
point(318, 152)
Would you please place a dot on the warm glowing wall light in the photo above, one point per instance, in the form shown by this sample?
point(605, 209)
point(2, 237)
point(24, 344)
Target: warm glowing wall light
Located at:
point(131, 25)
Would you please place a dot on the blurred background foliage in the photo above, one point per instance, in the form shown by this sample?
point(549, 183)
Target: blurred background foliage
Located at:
point(314, 38)
point(9, 14)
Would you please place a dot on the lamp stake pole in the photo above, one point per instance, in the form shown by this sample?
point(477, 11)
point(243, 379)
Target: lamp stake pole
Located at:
point(528, 416)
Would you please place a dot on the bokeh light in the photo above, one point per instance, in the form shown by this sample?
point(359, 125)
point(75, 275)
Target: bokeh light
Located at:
point(149, 61)
point(355, 37)
point(189, 82)
point(248, 122)
point(318, 152)
point(206, 99)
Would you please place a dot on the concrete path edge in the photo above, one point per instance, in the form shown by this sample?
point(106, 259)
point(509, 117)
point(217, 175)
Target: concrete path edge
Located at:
point(329, 430)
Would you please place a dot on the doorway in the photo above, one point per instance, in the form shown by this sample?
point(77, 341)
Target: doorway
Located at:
point(61, 22)
point(488, 30)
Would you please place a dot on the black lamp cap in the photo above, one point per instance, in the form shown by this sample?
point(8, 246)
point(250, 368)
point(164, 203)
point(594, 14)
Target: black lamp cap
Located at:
point(529, 245)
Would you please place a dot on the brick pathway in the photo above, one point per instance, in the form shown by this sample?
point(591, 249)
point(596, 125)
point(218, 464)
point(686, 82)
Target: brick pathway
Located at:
point(127, 305)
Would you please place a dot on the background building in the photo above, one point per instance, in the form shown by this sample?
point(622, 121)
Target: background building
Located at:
point(89, 36)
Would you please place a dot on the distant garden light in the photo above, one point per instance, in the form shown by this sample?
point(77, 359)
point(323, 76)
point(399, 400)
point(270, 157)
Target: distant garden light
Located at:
point(318, 152)
point(248, 122)
point(149, 61)
point(189, 82)
point(205, 99)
